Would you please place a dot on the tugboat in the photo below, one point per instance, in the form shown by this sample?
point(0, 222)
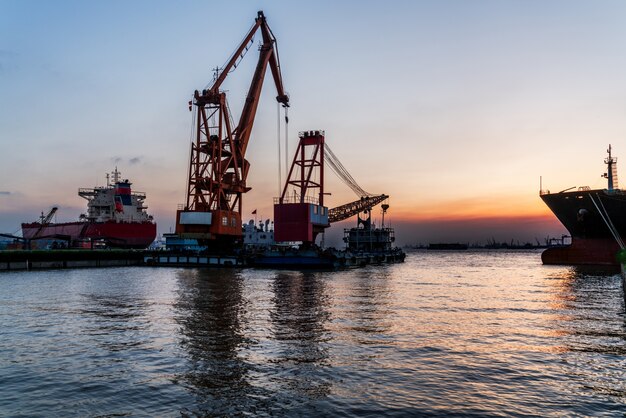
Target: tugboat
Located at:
point(595, 219)
point(367, 244)
point(115, 216)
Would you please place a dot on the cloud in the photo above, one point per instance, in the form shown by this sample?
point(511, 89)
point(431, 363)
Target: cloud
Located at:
point(130, 161)
point(4, 193)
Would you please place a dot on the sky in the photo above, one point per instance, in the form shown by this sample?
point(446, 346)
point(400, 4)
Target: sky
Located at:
point(453, 108)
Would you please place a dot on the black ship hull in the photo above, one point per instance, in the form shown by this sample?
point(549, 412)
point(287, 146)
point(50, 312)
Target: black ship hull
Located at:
point(585, 214)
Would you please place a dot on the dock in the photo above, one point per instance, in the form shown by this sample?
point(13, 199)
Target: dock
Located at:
point(60, 259)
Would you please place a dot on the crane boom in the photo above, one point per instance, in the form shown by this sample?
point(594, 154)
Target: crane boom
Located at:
point(348, 210)
point(218, 169)
point(45, 221)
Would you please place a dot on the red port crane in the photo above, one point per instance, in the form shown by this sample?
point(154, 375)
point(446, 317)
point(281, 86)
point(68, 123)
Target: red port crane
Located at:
point(218, 168)
point(302, 215)
point(299, 212)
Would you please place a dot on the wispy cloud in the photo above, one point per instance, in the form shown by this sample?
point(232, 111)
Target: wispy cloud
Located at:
point(129, 161)
point(4, 193)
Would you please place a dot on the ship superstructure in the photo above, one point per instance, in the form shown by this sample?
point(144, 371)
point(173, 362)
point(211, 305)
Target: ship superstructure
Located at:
point(115, 202)
point(374, 244)
point(261, 236)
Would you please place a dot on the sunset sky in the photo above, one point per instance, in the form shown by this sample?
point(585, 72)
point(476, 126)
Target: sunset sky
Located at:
point(453, 108)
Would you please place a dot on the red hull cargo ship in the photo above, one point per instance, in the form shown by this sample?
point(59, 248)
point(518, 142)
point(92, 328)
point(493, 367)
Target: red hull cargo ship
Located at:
point(115, 215)
point(595, 219)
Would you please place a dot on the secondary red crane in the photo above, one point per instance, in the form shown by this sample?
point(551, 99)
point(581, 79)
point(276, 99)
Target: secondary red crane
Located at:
point(301, 215)
point(218, 169)
point(299, 212)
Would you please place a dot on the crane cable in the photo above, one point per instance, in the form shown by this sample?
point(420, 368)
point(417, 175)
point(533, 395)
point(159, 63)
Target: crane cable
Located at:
point(345, 177)
point(280, 181)
point(286, 142)
point(342, 173)
point(333, 162)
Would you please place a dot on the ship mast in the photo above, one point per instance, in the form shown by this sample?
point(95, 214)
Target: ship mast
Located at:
point(611, 171)
point(116, 176)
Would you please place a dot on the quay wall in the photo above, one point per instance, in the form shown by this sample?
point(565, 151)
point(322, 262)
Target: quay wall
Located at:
point(40, 260)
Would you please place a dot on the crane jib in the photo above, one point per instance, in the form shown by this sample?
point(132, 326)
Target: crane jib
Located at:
point(218, 170)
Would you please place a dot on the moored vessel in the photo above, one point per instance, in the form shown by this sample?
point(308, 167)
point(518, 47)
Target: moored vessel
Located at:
point(116, 216)
point(368, 244)
point(595, 219)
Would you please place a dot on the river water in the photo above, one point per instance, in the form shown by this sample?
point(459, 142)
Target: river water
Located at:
point(483, 333)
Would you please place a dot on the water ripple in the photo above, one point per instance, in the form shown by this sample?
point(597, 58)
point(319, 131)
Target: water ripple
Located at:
point(456, 334)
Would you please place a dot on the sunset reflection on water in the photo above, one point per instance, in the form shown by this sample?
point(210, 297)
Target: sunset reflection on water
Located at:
point(472, 333)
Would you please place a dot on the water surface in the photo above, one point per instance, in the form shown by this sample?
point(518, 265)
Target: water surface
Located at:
point(485, 333)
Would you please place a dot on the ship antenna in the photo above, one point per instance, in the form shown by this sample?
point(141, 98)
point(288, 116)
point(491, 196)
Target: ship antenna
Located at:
point(611, 170)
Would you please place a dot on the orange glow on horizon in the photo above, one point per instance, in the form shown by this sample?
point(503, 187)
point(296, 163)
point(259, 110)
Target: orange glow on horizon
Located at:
point(475, 208)
point(471, 216)
point(477, 217)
